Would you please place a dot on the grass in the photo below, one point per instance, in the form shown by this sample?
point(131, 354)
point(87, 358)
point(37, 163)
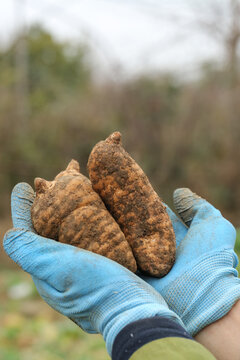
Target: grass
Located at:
point(237, 245)
point(31, 330)
point(237, 248)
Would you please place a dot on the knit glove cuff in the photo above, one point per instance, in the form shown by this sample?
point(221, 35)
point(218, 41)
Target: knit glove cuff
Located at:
point(134, 303)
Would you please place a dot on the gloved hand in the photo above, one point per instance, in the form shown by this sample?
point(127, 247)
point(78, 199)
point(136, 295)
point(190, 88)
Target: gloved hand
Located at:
point(202, 286)
point(96, 293)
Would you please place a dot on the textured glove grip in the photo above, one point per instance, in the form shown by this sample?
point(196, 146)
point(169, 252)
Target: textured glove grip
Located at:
point(206, 292)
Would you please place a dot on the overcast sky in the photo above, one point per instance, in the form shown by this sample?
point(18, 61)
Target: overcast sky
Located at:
point(134, 34)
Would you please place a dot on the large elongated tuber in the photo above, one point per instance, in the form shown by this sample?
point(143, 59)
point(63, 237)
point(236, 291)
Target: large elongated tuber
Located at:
point(130, 198)
point(69, 210)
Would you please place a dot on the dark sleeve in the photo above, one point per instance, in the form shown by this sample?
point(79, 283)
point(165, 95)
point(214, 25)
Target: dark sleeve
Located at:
point(157, 338)
point(142, 332)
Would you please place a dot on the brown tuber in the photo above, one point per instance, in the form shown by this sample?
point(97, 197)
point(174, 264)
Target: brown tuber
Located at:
point(67, 209)
point(131, 200)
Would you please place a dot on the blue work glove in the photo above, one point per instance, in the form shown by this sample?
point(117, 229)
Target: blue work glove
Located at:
point(203, 285)
point(98, 294)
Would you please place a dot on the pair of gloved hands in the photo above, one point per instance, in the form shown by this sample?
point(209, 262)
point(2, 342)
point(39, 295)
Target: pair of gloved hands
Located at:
point(103, 297)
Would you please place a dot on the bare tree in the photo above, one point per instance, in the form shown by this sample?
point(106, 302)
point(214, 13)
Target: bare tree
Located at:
point(220, 19)
point(21, 63)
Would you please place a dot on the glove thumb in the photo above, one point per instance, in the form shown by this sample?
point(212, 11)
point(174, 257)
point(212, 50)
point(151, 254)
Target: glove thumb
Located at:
point(191, 207)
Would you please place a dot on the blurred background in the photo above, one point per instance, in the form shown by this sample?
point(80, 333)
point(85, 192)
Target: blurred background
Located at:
point(165, 74)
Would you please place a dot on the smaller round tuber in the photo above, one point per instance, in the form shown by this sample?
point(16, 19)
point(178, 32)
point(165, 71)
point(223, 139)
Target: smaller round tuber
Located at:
point(67, 209)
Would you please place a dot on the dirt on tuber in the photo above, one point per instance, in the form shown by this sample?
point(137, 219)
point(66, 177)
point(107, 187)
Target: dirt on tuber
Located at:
point(67, 209)
point(131, 200)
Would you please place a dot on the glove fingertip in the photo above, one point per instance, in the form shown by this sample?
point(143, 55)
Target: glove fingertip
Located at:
point(183, 193)
point(23, 191)
point(192, 208)
point(21, 201)
point(184, 200)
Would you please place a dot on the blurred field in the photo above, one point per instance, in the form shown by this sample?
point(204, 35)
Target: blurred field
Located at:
point(31, 330)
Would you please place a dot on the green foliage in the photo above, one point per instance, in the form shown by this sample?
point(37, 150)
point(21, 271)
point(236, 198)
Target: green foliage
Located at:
point(30, 129)
point(237, 246)
point(53, 67)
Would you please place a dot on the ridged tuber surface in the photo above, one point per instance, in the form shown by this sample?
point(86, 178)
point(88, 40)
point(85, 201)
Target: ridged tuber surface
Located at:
point(67, 209)
point(131, 200)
